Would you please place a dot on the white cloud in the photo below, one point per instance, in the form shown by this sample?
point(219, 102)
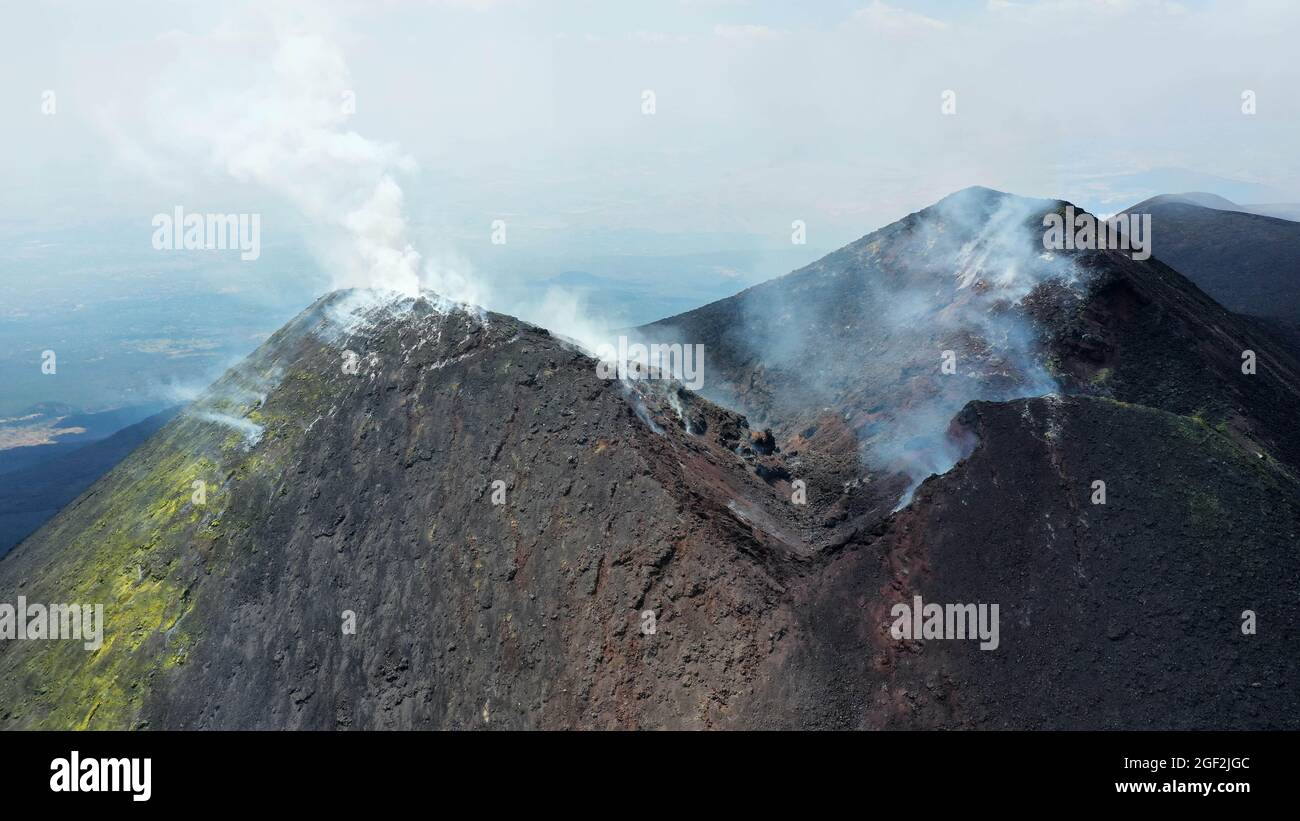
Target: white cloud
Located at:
point(748, 31)
point(888, 19)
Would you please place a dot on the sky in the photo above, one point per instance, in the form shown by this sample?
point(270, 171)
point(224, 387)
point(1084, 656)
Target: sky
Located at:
point(463, 115)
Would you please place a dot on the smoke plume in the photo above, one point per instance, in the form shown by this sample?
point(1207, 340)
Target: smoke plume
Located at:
point(272, 112)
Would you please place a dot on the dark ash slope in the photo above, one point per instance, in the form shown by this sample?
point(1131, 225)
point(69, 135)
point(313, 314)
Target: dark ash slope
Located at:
point(372, 492)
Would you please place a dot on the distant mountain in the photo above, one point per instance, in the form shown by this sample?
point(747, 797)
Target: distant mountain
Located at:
point(1281, 210)
point(29, 496)
point(1201, 198)
point(1247, 261)
point(1108, 193)
point(422, 515)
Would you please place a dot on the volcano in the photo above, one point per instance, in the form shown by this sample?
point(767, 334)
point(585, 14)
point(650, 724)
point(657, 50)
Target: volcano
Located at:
point(406, 513)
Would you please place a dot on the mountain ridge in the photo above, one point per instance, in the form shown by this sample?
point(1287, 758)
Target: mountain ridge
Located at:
point(352, 466)
point(1244, 259)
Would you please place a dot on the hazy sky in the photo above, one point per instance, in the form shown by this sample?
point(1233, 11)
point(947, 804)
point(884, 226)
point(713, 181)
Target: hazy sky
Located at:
point(532, 113)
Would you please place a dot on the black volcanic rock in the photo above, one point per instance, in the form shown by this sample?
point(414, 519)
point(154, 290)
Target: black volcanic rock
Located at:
point(1122, 615)
point(371, 493)
point(649, 565)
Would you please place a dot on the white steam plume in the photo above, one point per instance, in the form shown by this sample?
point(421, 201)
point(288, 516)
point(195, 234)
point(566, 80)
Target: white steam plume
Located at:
point(273, 110)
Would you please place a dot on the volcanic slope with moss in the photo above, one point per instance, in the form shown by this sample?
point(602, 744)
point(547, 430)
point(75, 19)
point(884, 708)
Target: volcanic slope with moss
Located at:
point(401, 513)
point(419, 515)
